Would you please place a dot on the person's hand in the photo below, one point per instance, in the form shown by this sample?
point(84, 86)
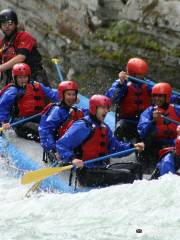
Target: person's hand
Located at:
point(156, 115)
point(78, 163)
point(139, 146)
point(58, 157)
point(122, 77)
point(6, 126)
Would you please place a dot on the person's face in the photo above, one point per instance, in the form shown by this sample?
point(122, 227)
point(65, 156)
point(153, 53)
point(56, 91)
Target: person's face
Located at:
point(8, 27)
point(70, 97)
point(159, 100)
point(22, 81)
point(101, 113)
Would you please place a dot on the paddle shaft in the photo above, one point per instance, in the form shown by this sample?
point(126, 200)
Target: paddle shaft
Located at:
point(58, 69)
point(116, 154)
point(171, 120)
point(23, 120)
point(148, 83)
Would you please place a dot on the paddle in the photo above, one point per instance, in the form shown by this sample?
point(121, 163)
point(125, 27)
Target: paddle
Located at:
point(43, 173)
point(170, 119)
point(148, 83)
point(56, 62)
point(22, 121)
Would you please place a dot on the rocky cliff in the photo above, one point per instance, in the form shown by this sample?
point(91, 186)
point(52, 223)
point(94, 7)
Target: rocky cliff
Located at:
point(95, 38)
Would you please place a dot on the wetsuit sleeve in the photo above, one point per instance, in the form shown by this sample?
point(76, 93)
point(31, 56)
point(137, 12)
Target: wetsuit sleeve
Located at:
point(117, 91)
point(52, 94)
point(175, 99)
point(146, 123)
point(177, 110)
point(48, 127)
point(7, 100)
point(72, 139)
point(166, 165)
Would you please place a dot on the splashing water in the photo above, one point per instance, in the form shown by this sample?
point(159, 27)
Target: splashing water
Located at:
point(110, 213)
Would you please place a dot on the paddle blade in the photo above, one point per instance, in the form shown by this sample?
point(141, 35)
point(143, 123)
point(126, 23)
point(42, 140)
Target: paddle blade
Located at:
point(40, 174)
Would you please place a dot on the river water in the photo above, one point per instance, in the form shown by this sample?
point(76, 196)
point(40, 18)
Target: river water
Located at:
point(113, 213)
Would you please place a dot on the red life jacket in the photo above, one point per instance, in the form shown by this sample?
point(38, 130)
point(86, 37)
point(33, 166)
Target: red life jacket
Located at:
point(33, 101)
point(48, 107)
point(74, 115)
point(96, 145)
point(135, 102)
point(7, 49)
point(167, 130)
point(20, 40)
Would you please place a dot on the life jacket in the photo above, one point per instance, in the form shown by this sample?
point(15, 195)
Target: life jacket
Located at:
point(33, 101)
point(96, 144)
point(166, 129)
point(8, 49)
point(135, 102)
point(48, 107)
point(74, 115)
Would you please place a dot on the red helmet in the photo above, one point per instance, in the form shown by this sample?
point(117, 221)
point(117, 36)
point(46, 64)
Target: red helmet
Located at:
point(98, 101)
point(178, 146)
point(21, 69)
point(67, 85)
point(162, 89)
point(136, 66)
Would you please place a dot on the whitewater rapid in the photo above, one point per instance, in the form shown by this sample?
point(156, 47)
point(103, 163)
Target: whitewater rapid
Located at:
point(110, 213)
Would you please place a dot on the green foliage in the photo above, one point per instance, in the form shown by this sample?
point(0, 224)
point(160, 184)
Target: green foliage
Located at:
point(175, 52)
point(112, 55)
point(119, 29)
point(127, 36)
point(152, 44)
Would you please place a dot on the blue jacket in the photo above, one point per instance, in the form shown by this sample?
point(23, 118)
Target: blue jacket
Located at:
point(78, 133)
point(167, 164)
point(11, 95)
point(146, 124)
point(50, 123)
